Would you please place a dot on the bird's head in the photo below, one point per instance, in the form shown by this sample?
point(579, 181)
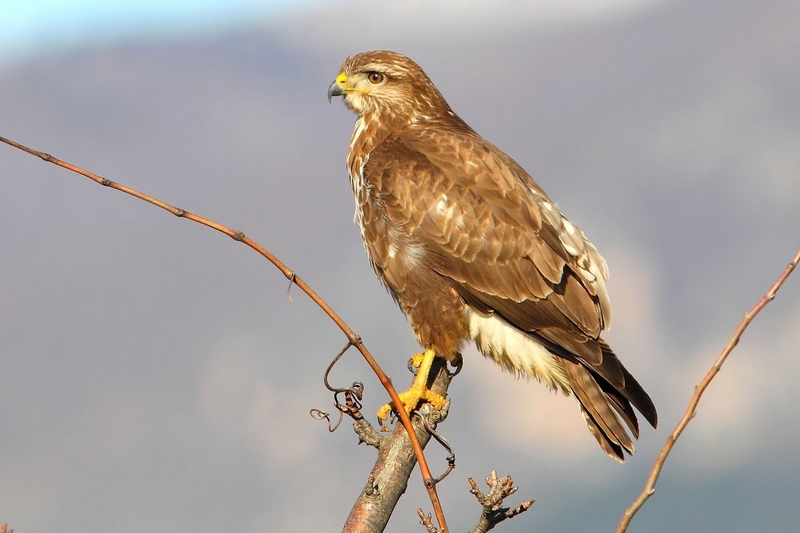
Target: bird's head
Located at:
point(387, 83)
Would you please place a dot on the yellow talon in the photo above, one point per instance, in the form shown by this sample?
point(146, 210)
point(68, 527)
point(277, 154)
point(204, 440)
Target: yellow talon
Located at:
point(416, 359)
point(419, 388)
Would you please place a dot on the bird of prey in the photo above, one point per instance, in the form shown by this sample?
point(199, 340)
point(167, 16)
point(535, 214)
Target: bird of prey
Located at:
point(472, 249)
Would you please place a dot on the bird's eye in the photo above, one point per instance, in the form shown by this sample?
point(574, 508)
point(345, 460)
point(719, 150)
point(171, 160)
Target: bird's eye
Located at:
point(375, 77)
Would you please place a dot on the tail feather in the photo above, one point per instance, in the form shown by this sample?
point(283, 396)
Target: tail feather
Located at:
point(605, 390)
point(600, 411)
point(613, 450)
point(630, 390)
point(623, 408)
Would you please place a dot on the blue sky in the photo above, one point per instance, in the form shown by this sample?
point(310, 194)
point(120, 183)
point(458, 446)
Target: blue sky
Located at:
point(31, 27)
point(35, 26)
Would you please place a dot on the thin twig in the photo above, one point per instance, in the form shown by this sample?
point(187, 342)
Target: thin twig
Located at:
point(650, 486)
point(425, 520)
point(293, 278)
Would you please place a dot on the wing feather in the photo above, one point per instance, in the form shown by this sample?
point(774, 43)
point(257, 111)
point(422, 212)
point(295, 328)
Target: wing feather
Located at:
point(505, 248)
point(497, 233)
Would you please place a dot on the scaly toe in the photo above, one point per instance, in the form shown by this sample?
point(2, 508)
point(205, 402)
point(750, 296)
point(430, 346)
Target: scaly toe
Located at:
point(383, 414)
point(436, 400)
point(410, 399)
point(416, 360)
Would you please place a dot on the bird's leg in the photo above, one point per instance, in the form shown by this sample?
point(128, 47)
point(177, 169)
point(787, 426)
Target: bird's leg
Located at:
point(419, 387)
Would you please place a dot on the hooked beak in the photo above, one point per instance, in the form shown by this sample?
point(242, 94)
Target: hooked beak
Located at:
point(337, 88)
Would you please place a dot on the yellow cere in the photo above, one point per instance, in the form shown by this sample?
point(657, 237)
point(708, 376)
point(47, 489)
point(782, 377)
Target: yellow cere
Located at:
point(341, 81)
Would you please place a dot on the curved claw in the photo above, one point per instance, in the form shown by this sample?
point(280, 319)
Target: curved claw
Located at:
point(458, 364)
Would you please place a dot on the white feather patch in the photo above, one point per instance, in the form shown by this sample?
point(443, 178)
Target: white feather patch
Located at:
point(357, 181)
point(392, 250)
point(514, 351)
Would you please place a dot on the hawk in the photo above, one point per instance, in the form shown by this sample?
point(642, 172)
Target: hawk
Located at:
point(472, 249)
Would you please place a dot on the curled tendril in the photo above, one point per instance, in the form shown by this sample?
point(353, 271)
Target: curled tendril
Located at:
point(319, 414)
point(451, 458)
point(351, 405)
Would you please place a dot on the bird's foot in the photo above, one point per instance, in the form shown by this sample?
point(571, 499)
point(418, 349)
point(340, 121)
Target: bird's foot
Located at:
point(418, 391)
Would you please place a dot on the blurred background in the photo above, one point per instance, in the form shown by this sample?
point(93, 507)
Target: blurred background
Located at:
point(156, 377)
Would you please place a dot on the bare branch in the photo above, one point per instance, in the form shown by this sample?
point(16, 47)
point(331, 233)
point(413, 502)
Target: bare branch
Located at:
point(388, 479)
point(368, 434)
point(352, 337)
point(492, 502)
point(425, 520)
point(691, 410)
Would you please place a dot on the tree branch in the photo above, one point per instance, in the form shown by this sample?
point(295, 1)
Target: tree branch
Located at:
point(650, 486)
point(352, 337)
point(388, 479)
point(492, 502)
